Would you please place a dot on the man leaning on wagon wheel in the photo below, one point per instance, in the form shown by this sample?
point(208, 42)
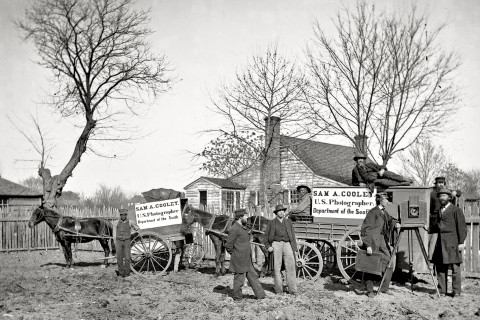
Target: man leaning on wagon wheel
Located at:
point(238, 245)
point(377, 233)
point(280, 239)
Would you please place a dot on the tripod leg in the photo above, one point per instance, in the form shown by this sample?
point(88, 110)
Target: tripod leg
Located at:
point(391, 258)
point(425, 256)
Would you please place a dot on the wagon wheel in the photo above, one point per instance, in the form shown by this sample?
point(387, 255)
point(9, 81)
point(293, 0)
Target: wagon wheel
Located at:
point(150, 255)
point(327, 250)
point(309, 261)
point(347, 250)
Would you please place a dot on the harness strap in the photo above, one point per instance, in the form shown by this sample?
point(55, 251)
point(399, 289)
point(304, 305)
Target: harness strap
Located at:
point(58, 225)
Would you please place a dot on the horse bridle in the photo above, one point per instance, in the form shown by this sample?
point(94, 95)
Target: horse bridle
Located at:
point(42, 216)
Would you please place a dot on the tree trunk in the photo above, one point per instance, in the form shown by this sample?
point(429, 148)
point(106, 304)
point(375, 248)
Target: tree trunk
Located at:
point(53, 186)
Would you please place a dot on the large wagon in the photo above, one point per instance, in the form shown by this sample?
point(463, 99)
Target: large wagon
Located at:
point(161, 231)
point(331, 237)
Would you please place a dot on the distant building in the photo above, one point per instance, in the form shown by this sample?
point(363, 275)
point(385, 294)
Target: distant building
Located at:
point(17, 198)
point(291, 162)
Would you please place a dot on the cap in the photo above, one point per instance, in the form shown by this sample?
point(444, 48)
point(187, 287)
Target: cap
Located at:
point(439, 179)
point(279, 207)
point(240, 213)
point(359, 156)
point(444, 191)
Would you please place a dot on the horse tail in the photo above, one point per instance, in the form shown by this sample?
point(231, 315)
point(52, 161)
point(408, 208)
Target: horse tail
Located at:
point(109, 227)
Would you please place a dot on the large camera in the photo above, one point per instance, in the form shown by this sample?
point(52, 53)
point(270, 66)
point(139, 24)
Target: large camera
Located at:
point(413, 213)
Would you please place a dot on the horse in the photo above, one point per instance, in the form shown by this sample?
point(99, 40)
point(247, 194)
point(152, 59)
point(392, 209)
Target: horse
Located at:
point(258, 225)
point(222, 224)
point(65, 228)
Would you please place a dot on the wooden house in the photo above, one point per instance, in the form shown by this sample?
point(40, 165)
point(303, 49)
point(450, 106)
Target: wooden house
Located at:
point(15, 198)
point(290, 162)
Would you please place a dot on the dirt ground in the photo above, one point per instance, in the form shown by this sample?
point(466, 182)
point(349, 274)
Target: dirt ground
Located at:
point(35, 285)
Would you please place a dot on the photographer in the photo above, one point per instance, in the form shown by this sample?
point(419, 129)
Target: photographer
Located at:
point(377, 237)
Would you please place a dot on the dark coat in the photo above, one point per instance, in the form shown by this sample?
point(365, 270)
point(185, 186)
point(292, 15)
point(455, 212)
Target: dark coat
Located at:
point(377, 232)
point(270, 232)
point(452, 232)
point(356, 177)
point(368, 174)
point(238, 245)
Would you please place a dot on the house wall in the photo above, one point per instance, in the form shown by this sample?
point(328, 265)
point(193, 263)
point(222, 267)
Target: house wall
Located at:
point(213, 195)
point(293, 173)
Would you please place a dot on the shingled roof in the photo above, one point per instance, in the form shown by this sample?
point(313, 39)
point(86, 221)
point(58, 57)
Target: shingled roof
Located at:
point(222, 183)
point(331, 161)
point(9, 188)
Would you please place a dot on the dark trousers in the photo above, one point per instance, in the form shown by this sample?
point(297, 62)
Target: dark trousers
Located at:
point(442, 270)
point(252, 277)
point(123, 252)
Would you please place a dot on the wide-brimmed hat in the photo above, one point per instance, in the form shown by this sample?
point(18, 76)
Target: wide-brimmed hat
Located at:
point(381, 195)
point(279, 207)
point(303, 186)
point(439, 179)
point(123, 211)
point(444, 191)
point(240, 213)
point(359, 156)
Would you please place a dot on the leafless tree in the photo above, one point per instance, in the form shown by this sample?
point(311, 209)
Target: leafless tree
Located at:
point(423, 161)
point(269, 86)
point(383, 77)
point(102, 68)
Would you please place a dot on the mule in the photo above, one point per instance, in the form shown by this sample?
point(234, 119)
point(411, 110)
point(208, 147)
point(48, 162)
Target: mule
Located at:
point(223, 223)
point(258, 225)
point(95, 227)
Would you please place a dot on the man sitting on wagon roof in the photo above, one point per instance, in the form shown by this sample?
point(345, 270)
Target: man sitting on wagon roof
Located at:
point(369, 174)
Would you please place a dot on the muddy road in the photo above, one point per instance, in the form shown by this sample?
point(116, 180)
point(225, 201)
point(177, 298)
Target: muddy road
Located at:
point(35, 285)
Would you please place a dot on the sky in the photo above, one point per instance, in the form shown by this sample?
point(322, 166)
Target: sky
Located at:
point(205, 42)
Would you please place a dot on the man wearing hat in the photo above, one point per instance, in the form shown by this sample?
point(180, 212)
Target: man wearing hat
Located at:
point(238, 246)
point(377, 235)
point(125, 228)
point(304, 205)
point(452, 232)
point(280, 239)
point(368, 174)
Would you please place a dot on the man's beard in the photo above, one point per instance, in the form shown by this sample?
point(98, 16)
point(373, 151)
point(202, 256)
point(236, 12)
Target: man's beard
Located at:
point(443, 202)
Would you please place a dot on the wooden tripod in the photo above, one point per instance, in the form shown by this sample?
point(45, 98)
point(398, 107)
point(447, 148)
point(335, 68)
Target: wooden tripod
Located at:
point(410, 253)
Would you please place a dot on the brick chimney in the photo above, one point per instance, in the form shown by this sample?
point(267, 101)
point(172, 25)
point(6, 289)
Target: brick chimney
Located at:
point(272, 161)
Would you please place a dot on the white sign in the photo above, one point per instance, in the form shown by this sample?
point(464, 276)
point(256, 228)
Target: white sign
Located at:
point(158, 214)
point(331, 202)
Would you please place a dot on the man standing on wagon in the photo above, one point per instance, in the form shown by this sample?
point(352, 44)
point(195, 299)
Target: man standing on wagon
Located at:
point(125, 228)
point(280, 239)
point(238, 245)
point(377, 233)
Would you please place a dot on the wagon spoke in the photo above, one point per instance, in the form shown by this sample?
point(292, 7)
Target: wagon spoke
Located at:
point(348, 248)
point(155, 260)
point(143, 245)
point(306, 266)
point(308, 273)
point(349, 266)
point(153, 266)
point(303, 272)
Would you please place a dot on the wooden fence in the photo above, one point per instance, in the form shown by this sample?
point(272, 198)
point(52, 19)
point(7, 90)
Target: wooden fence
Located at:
point(15, 235)
point(472, 247)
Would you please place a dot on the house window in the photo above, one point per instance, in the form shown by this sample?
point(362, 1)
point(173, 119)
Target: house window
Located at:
point(294, 196)
point(203, 199)
point(254, 198)
point(237, 200)
point(228, 200)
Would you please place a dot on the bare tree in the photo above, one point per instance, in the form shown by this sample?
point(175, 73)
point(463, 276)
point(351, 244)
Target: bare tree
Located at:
point(268, 87)
point(382, 76)
point(227, 155)
point(423, 161)
point(102, 68)
point(33, 183)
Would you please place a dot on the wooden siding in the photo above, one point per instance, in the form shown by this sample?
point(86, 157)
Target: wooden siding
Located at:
point(213, 194)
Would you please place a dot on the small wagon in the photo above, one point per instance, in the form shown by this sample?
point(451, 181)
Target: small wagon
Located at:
point(162, 234)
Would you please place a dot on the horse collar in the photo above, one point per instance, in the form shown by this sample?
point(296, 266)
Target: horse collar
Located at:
point(58, 225)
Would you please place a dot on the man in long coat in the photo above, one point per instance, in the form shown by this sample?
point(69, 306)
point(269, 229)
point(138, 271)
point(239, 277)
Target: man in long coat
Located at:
point(377, 236)
point(280, 239)
point(452, 232)
point(238, 245)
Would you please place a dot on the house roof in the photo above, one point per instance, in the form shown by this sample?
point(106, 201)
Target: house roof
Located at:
point(221, 183)
point(9, 188)
point(331, 161)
